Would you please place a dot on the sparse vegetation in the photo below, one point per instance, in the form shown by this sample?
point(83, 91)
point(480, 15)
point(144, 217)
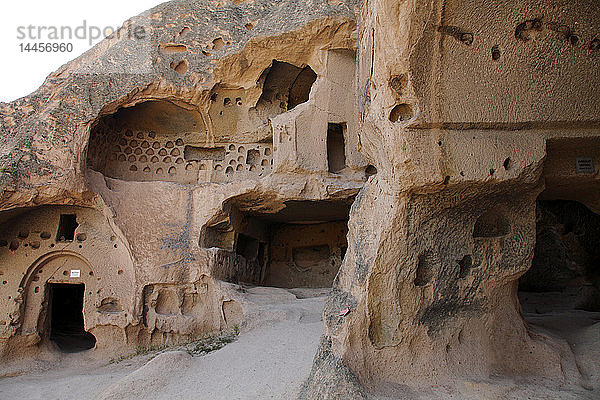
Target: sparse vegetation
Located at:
point(197, 346)
point(209, 344)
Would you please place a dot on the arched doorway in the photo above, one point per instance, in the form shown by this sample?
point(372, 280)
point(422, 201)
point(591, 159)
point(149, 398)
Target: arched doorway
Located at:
point(55, 290)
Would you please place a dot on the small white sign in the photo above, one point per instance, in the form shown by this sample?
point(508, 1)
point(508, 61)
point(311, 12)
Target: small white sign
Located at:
point(75, 273)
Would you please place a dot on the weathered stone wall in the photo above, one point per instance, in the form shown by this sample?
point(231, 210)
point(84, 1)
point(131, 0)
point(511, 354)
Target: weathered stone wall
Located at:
point(154, 136)
point(469, 111)
point(33, 256)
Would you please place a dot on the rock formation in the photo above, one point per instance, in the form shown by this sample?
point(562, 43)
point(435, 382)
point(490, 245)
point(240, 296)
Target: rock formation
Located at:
point(396, 151)
point(158, 171)
point(470, 111)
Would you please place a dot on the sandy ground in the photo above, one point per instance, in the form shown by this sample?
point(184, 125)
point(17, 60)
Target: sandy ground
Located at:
point(270, 359)
point(273, 355)
point(553, 314)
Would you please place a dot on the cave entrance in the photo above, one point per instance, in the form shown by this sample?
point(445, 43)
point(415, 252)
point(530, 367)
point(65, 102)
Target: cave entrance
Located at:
point(300, 246)
point(145, 142)
point(305, 255)
point(66, 328)
point(561, 290)
point(284, 87)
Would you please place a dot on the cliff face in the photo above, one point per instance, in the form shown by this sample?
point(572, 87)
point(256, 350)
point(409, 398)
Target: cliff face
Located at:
point(187, 49)
point(470, 111)
point(205, 145)
point(394, 150)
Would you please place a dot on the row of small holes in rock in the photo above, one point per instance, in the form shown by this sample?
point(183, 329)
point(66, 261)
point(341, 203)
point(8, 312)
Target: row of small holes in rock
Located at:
point(242, 149)
point(144, 158)
point(242, 160)
point(146, 144)
point(160, 170)
point(138, 151)
point(241, 167)
point(108, 135)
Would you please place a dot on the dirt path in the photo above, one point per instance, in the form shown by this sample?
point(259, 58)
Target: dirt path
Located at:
point(270, 360)
point(273, 354)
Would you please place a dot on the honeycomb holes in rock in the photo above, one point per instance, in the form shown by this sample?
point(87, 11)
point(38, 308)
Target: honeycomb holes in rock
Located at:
point(127, 153)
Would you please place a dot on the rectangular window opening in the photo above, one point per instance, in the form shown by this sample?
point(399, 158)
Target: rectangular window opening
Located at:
point(66, 228)
point(336, 152)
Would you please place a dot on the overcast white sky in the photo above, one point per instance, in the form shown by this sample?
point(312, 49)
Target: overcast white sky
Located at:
point(23, 72)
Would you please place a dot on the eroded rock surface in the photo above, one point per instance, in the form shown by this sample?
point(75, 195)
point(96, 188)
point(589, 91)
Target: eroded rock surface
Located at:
point(404, 153)
point(149, 177)
point(469, 112)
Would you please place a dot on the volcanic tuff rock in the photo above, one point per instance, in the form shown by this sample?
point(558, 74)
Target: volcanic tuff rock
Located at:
point(394, 150)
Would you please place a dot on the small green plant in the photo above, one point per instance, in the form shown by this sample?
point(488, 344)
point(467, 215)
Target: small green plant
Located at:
point(209, 344)
point(197, 345)
point(139, 351)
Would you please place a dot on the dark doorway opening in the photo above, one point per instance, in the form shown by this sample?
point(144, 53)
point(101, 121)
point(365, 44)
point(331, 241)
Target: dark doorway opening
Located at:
point(560, 293)
point(301, 245)
point(336, 152)
point(247, 246)
point(65, 302)
point(566, 255)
